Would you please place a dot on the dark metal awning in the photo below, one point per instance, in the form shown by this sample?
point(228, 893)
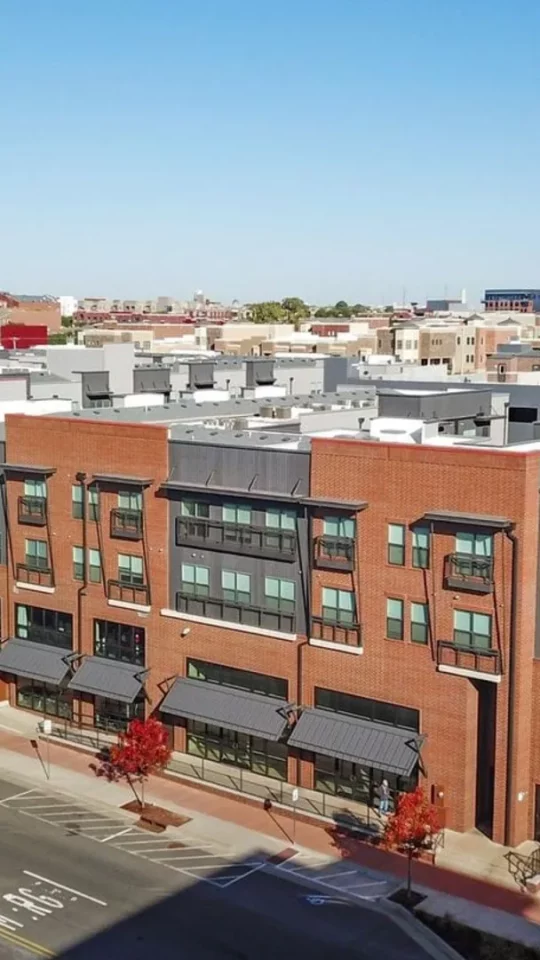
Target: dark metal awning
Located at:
point(108, 678)
point(233, 709)
point(330, 504)
point(37, 661)
point(28, 468)
point(233, 492)
point(473, 519)
point(390, 749)
point(116, 478)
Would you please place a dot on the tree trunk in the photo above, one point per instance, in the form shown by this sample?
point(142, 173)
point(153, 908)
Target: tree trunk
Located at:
point(136, 795)
point(142, 793)
point(409, 872)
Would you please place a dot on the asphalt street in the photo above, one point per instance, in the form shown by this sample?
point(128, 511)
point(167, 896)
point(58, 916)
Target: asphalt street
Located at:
point(66, 894)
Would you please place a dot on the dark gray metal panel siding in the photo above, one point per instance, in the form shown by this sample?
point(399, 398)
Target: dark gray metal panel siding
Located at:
point(233, 709)
point(38, 661)
point(235, 467)
point(151, 380)
point(94, 383)
point(277, 470)
point(105, 678)
point(387, 748)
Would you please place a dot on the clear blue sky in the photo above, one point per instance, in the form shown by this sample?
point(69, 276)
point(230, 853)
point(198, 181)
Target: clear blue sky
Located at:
point(264, 148)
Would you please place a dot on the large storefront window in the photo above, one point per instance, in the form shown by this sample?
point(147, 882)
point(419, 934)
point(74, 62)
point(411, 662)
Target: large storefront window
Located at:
point(259, 683)
point(118, 641)
point(264, 757)
point(355, 781)
point(44, 698)
point(113, 715)
point(44, 626)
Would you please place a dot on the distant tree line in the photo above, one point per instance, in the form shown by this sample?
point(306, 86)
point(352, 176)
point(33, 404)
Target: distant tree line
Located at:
point(294, 310)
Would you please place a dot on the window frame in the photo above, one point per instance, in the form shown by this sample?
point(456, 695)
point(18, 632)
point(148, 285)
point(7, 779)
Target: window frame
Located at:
point(422, 637)
point(117, 639)
point(93, 566)
point(278, 602)
point(391, 619)
point(31, 560)
point(342, 614)
point(345, 527)
point(235, 594)
point(77, 565)
point(472, 633)
point(77, 502)
point(200, 589)
point(132, 578)
point(237, 511)
point(421, 556)
point(394, 546)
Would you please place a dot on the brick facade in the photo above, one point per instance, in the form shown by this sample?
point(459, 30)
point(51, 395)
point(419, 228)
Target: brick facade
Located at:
point(399, 484)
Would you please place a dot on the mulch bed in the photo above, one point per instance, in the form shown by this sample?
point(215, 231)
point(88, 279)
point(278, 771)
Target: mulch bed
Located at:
point(411, 901)
point(152, 816)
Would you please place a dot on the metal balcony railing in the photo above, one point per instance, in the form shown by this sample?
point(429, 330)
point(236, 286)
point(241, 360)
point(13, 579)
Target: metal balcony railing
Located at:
point(465, 572)
point(454, 656)
point(33, 510)
point(348, 634)
point(236, 538)
point(334, 553)
point(138, 593)
point(218, 609)
point(126, 524)
point(34, 576)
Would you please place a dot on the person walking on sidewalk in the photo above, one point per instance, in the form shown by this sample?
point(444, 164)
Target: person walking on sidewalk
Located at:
point(384, 799)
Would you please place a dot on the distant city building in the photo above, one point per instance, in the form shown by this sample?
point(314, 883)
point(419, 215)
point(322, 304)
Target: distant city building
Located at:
point(40, 309)
point(524, 301)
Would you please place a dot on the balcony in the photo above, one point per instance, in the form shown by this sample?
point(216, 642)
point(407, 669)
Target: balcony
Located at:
point(334, 553)
point(233, 538)
point(137, 593)
point(126, 524)
point(342, 634)
point(34, 576)
point(469, 661)
point(465, 572)
point(215, 609)
point(33, 510)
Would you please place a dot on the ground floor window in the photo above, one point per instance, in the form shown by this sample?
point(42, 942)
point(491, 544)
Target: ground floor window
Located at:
point(44, 698)
point(264, 757)
point(356, 781)
point(113, 715)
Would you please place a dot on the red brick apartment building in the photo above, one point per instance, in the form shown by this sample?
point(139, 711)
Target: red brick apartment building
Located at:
point(325, 615)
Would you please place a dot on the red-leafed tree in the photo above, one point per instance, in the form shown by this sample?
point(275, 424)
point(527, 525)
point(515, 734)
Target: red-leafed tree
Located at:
point(412, 827)
point(142, 750)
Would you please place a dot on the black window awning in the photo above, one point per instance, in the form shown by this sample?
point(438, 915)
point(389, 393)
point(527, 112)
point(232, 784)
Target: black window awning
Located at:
point(108, 678)
point(223, 707)
point(390, 749)
point(117, 478)
point(36, 661)
point(470, 519)
point(29, 469)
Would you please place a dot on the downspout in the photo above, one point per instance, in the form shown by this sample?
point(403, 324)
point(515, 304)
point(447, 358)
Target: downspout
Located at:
point(306, 581)
point(512, 652)
point(81, 592)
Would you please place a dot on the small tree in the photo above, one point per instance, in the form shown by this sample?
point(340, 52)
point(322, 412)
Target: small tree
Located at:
point(412, 827)
point(142, 750)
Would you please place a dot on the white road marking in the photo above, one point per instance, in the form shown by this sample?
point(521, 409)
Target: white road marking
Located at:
point(61, 886)
point(16, 796)
point(113, 836)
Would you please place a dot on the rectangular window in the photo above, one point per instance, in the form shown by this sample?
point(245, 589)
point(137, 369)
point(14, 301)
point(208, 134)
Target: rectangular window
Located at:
point(236, 586)
point(280, 519)
point(78, 563)
point(44, 626)
point(118, 641)
point(35, 488)
point(280, 594)
point(367, 709)
point(93, 504)
point(474, 544)
point(238, 514)
point(420, 548)
point(76, 501)
point(130, 500)
point(394, 619)
point(195, 580)
point(94, 566)
point(114, 715)
point(36, 554)
point(339, 527)
point(259, 683)
point(396, 544)
point(44, 698)
point(472, 629)
point(195, 508)
point(419, 623)
point(130, 569)
point(338, 606)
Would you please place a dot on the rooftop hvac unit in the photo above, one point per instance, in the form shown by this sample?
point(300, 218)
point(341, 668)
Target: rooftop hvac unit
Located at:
point(282, 413)
point(266, 411)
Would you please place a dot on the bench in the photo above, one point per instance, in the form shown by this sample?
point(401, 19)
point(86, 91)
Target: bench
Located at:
point(352, 825)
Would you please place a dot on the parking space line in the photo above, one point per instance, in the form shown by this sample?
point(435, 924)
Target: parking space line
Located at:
point(16, 796)
point(115, 835)
point(61, 886)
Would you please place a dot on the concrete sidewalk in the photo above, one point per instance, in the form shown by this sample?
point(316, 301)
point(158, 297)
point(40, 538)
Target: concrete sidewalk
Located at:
point(479, 900)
